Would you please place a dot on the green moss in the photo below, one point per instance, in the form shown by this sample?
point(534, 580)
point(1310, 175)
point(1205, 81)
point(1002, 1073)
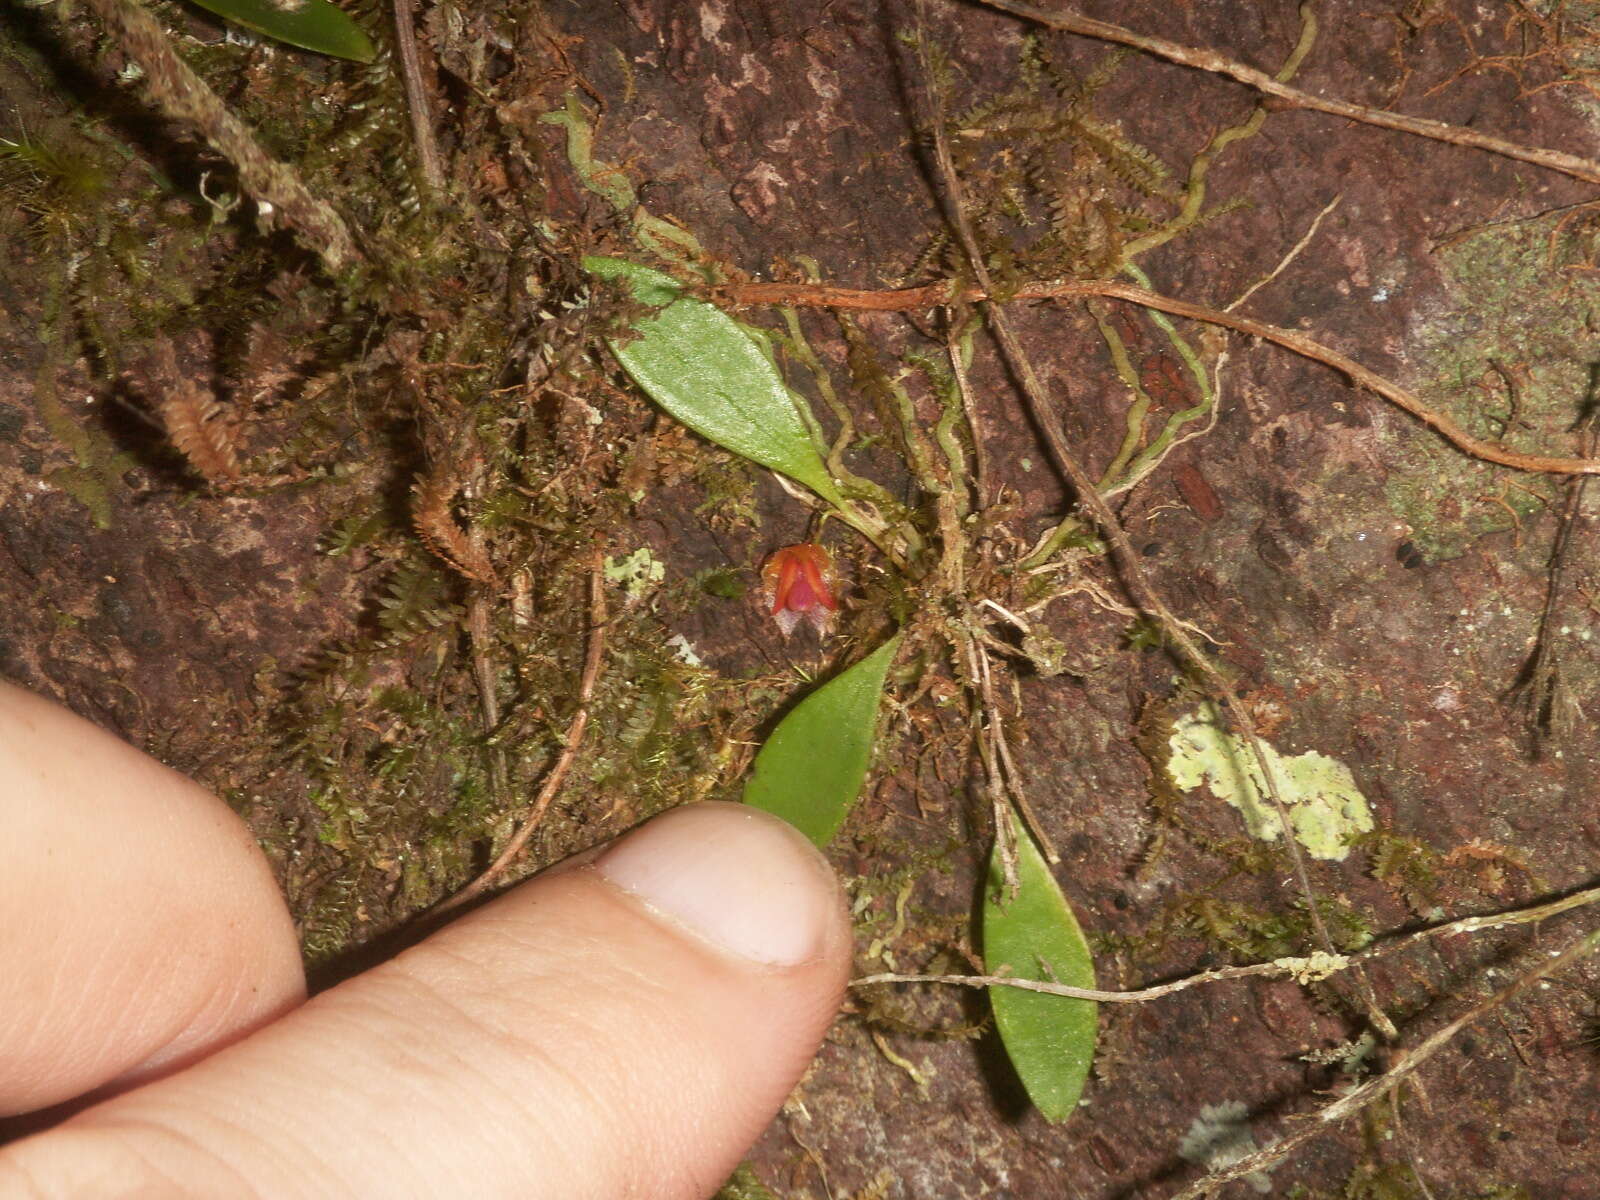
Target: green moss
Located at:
point(98, 462)
point(1510, 320)
point(1394, 1181)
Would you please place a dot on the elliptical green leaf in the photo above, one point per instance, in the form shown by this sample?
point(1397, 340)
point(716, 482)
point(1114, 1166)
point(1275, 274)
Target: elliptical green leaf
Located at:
point(1049, 1039)
point(809, 772)
point(309, 24)
point(705, 370)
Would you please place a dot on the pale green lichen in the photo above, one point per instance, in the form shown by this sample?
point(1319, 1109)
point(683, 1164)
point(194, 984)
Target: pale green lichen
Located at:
point(1219, 1137)
point(638, 573)
point(1326, 808)
point(1314, 967)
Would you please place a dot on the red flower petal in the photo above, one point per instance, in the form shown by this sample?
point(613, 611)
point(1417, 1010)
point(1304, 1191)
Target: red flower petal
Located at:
point(796, 579)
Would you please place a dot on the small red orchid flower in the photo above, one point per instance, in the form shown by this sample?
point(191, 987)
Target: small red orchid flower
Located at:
point(798, 581)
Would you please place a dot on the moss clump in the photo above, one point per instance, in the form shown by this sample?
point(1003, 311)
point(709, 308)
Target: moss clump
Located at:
point(1505, 350)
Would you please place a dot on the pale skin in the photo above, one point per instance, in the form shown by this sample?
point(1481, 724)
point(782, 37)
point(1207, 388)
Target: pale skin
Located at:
point(622, 1026)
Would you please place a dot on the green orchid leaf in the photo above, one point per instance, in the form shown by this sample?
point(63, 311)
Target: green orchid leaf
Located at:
point(309, 24)
point(705, 369)
point(1033, 935)
point(810, 770)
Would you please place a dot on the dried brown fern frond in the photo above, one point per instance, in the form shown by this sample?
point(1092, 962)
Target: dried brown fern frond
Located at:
point(203, 434)
point(272, 359)
point(1487, 865)
point(432, 502)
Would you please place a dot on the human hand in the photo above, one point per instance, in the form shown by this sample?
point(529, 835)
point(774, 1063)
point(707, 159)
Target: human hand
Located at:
point(623, 1025)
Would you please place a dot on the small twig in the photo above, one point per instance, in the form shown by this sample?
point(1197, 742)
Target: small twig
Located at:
point(1289, 97)
point(1516, 916)
point(1019, 622)
point(996, 727)
point(480, 641)
point(569, 747)
point(1403, 1135)
point(1288, 258)
point(1513, 396)
point(810, 1152)
point(1278, 967)
point(1375, 1089)
point(946, 292)
point(994, 785)
point(1511, 515)
point(969, 405)
point(181, 95)
point(1051, 988)
point(1538, 686)
point(481, 646)
point(405, 40)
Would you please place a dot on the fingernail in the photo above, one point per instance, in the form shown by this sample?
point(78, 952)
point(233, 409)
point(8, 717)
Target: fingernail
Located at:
point(737, 877)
